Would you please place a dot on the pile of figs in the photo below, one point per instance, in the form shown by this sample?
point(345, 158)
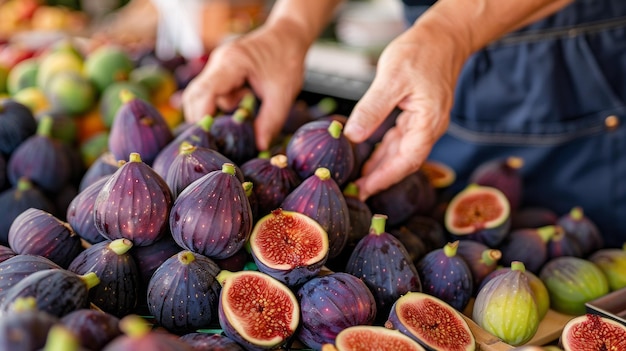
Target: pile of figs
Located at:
point(187, 237)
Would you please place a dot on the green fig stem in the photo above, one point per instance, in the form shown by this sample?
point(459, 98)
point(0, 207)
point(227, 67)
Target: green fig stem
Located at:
point(514, 162)
point(491, 257)
point(378, 225)
point(248, 102)
point(327, 105)
point(223, 276)
point(335, 129)
point(24, 184)
point(279, 161)
point(206, 122)
point(126, 96)
point(134, 326)
point(518, 266)
point(546, 233)
point(134, 157)
point(248, 187)
point(186, 148)
point(22, 304)
point(451, 248)
point(44, 127)
point(624, 247)
point(60, 338)
point(186, 257)
point(240, 115)
point(90, 279)
point(265, 154)
point(120, 246)
point(228, 168)
point(351, 190)
point(322, 173)
point(577, 213)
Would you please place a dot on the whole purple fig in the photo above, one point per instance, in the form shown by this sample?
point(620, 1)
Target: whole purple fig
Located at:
point(93, 328)
point(25, 327)
point(528, 245)
point(215, 342)
point(581, 227)
point(138, 335)
point(19, 267)
point(105, 165)
point(80, 212)
point(17, 123)
point(234, 136)
point(134, 203)
point(504, 175)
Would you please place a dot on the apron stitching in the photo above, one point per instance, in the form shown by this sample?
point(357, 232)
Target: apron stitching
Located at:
point(555, 33)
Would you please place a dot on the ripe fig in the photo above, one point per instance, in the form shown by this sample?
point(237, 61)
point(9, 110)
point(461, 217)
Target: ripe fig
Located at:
point(593, 332)
point(529, 245)
point(6, 253)
point(119, 277)
point(24, 327)
point(578, 225)
point(17, 123)
point(93, 328)
point(440, 175)
point(17, 199)
point(447, 276)
point(533, 217)
point(38, 232)
point(42, 159)
point(563, 244)
point(205, 341)
point(383, 263)
point(359, 212)
point(138, 335)
point(183, 292)
point(212, 216)
point(413, 243)
point(431, 322)
point(273, 180)
point(289, 246)
point(138, 127)
point(19, 267)
point(612, 261)
point(321, 144)
point(413, 195)
point(134, 203)
point(331, 303)
point(302, 112)
point(428, 229)
point(56, 291)
point(372, 337)
point(234, 135)
point(503, 174)
point(105, 165)
point(480, 258)
point(80, 212)
point(256, 310)
point(572, 282)
point(506, 307)
point(479, 212)
point(198, 134)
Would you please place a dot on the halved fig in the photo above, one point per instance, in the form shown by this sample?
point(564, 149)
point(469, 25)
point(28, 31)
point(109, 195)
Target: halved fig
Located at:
point(289, 246)
point(591, 332)
point(372, 337)
point(439, 174)
point(479, 212)
point(256, 310)
point(503, 174)
point(432, 322)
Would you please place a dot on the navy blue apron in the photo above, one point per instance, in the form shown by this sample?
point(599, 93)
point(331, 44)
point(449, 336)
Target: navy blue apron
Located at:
point(552, 93)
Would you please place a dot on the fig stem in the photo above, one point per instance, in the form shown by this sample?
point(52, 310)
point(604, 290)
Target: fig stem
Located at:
point(240, 115)
point(134, 157)
point(326, 105)
point(518, 266)
point(451, 248)
point(248, 187)
point(134, 326)
point(279, 161)
point(576, 213)
point(514, 162)
point(265, 154)
point(223, 276)
point(335, 129)
point(186, 148)
point(322, 173)
point(351, 190)
point(206, 123)
point(248, 102)
point(186, 257)
point(21, 304)
point(44, 127)
point(60, 338)
point(90, 279)
point(24, 184)
point(546, 232)
point(379, 223)
point(228, 168)
point(126, 96)
point(491, 256)
point(120, 246)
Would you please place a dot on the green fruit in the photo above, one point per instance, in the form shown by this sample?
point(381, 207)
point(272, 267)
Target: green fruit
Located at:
point(70, 92)
point(612, 261)
point(22, 75)
point(106, 65)
point(160, 82)
point(55, 62)
point(110, 100)
point(572, 282)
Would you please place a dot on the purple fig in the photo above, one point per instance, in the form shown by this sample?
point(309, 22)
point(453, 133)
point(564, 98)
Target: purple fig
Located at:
point(503, 174)
point(446, 275)
point(41, 159)
point(359, 212)
point(25, 327)
point(528, 245)
point(138, 335)
point(321, 144)
point(301, 113)
point(384, 264)
point(480, 258)
point(17, 124)
point(198, 134)
point(586, 232)
point(272, 180)
point(563, 244)
point(38, 232)
point(80, 212)
point(533, 217)
point(234, 136)
point(413, 243)
point(134, 203)
point(320, 198)
point(212, 216)
point(105, 165)
point(180, 277)
point(205, 341)
point(138, 127)
point(18, 267)
point(6, 253)
point(94, 329)
point(429, 230)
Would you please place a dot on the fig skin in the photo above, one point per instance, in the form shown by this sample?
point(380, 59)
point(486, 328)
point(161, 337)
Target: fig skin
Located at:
point(80, 212)
point(94, 329)
point(384, 264)
point(593, 332)
point(183, 292)
point(372, 337)
point(218, 203)
point(38, 232)
point(420, 316)
point(25, 328)
point(563, 244)
point(320, 198)
point(581, 227)
point(17, 123)
point(503, 174)
point(533, 217)
point(480, 259)
point(612, 261)
point(447, 276)
point(137, 335)
point(105, 165)
point(215, 342)
point(428, 229)
point(529, 245)
point(321, 143)
point(134, 203)
point(19, 267)
point(6, 253)
point(331, 303)
point(234, 135)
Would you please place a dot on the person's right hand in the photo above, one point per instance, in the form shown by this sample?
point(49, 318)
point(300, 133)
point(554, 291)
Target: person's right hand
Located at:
point(270, 61)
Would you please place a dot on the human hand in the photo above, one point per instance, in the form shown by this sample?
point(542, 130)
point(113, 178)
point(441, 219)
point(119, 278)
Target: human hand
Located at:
point(417, 75)
point(270, 61)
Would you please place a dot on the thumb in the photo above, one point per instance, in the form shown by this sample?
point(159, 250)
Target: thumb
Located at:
point(371, 110)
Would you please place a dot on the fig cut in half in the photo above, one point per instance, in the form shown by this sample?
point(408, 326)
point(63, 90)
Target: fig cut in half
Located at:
point(479, 212)
point(256, 310)
point(431, 322)
point(593, 332)
point(372, 337)
point(289, 246)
